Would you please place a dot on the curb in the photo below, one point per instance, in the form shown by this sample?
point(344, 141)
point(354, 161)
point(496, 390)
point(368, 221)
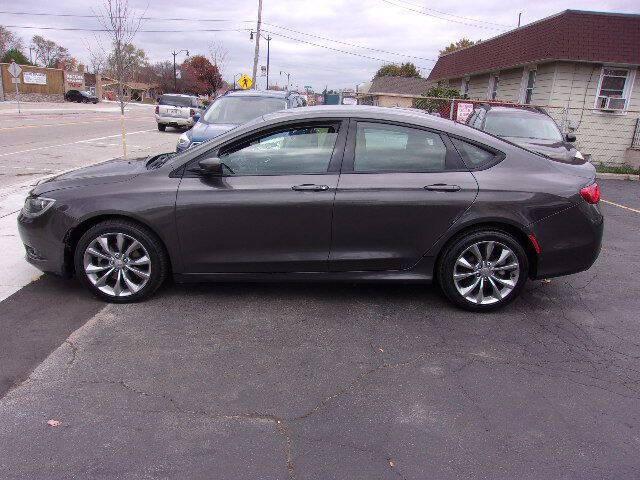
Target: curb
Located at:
point(619, 176)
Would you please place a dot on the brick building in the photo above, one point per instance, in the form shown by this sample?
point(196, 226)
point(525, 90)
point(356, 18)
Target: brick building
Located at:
point(580, 65)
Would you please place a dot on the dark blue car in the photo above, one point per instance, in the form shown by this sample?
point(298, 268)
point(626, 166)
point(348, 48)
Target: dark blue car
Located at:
point(235, 108)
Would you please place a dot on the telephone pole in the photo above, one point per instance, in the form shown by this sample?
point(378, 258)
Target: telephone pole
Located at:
point(257, 50)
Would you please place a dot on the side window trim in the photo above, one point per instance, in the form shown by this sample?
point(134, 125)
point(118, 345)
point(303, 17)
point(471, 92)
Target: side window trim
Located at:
point(335, 161)
point(453, 160)
point(498, 155)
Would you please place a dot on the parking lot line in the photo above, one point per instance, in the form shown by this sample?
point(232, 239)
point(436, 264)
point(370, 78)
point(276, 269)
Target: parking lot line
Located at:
point(621, 206)
point(102, 120)
point(73, 143)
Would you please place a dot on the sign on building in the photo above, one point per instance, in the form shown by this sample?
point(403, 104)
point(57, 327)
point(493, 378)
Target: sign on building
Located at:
point(74, 79)
point(35, 78)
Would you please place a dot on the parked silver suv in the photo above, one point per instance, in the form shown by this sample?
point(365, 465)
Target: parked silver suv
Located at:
point(177, 110)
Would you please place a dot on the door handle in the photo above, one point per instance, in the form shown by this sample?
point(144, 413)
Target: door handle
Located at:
point(310, 187)
point(442, 187)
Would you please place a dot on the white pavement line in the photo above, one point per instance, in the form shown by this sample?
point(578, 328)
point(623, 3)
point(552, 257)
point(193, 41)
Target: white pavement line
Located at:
point(620, 206)
point(72, 143)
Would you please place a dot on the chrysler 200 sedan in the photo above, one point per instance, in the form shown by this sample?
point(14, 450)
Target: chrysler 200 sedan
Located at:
point(333, 193)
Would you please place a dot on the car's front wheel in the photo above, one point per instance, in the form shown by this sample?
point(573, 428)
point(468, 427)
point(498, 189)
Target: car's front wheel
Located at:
point(162, 127)
point(120, 261)
point(483, 270)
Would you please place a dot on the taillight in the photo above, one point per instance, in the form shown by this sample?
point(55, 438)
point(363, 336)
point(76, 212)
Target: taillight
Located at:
point(157, 109)
point(192, 112)
point(591, 193)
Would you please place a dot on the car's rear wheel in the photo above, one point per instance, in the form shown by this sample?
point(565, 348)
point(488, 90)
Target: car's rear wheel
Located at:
point(483, 270)
point(120, 261)
point(162, 127)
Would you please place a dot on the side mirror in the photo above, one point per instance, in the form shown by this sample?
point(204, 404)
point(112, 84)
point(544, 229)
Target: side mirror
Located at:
point(211, 166)
point(196, 117)
point(570, 137)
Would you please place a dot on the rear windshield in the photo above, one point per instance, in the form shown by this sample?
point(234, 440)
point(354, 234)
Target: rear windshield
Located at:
point(237, 110)
point(517, 125)
point(178, 101)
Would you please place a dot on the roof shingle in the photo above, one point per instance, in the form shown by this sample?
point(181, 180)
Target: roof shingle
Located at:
point(573, 35)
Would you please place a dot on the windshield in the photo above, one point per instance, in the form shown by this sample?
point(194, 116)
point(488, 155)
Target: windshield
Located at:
point(237, 110)
point(177, 101)
point(523, 125)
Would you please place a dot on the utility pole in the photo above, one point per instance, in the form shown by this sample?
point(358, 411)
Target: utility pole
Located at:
point(175, 76)
point(519, 18)
point(268, 39)
point(257, 50)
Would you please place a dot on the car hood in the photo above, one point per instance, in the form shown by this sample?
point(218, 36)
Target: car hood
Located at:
point(556, 150)
point(201, 131)
point(111, 171)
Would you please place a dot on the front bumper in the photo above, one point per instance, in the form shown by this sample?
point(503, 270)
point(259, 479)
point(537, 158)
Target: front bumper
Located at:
point(570, 240)
point(43, 249)
point(175, 121)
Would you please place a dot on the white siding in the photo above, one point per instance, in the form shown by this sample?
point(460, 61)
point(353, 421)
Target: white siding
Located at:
point(604, 136)
point(478, 86)
point(544, 84)
point(509, 85)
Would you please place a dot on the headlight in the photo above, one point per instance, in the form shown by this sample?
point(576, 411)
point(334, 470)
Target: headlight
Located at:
point(184, 140)
point(36, 206)
point(579, 155)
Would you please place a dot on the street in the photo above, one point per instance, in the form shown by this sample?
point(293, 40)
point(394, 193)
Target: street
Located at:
point(307, 381)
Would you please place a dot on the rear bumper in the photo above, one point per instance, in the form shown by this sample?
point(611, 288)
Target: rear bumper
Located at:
point(570, 240)
point(43, 250)
point(175, 121)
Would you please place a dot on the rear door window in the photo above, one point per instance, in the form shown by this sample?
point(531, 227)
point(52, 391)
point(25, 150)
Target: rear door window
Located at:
point(394, 148)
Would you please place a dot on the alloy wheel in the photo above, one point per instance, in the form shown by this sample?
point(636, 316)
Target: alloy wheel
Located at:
point(117, 264)
point(486, 272)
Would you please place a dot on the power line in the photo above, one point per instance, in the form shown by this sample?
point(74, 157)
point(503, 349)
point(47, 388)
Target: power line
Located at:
point(349, 44)
point(421, 12)
point(169, 19)
point(77, 29)
point(278, 34)
point(453, 15)
point(70, 15)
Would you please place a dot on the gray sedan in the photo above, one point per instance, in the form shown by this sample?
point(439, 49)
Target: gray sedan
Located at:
point(323, 193)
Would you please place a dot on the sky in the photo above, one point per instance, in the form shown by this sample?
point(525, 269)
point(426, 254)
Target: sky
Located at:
point(320, 43)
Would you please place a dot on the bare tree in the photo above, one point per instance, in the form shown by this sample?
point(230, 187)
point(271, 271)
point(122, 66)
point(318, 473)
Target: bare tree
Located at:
point(121, 26)
point(219, 55)
point(97, 56)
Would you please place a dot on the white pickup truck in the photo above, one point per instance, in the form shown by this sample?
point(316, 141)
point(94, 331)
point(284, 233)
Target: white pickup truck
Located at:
point(176, 110)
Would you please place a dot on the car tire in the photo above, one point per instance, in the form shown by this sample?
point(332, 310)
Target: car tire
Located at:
point(483, 270)
point(120, 261)
point(162, 127)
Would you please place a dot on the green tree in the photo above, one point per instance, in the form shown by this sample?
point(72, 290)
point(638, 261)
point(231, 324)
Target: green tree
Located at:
point(460, 44)
point(394, 70)
point(434, 93)
point(49, 53)
point(15, 54)
point(132, 62)
point(9, 41)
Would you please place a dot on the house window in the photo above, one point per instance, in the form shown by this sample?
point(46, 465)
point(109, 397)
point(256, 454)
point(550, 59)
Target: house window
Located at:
point(614, 88)
point(494, 80)
point(464, 88)
point(528, 89)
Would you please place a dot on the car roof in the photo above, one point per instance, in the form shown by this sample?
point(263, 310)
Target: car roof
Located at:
point(179, 95)
point(260, 93)
point(407, 115)
point(513, 110)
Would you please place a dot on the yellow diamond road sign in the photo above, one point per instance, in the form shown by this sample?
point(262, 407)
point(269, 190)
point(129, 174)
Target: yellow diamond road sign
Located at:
point(245, 82)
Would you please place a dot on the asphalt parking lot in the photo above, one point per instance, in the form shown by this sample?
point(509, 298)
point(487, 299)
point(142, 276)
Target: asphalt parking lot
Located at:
point(319, 381)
